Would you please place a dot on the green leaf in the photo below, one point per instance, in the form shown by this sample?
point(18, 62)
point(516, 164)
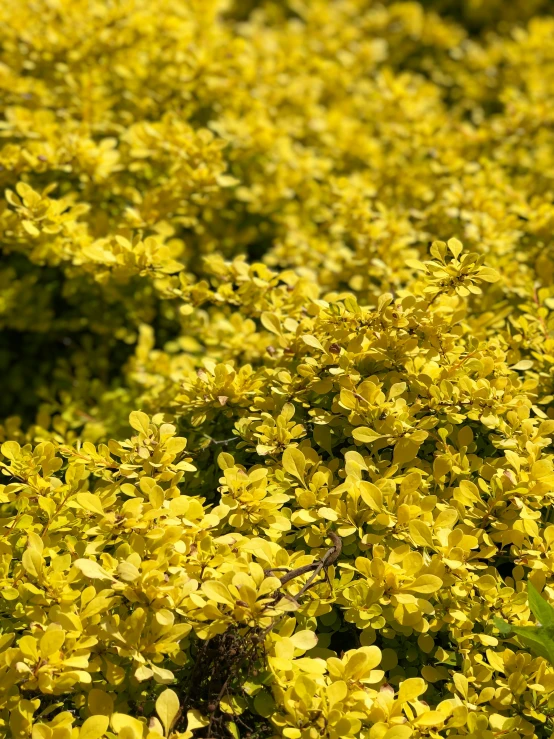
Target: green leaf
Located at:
point(541, 609)
point(264, 704)
point(502, 626)
point(538, 639)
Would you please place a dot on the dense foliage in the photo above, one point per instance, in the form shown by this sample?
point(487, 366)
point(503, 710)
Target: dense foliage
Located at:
point(277, 350)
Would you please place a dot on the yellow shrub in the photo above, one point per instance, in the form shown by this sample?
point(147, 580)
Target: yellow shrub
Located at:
point(277, 320)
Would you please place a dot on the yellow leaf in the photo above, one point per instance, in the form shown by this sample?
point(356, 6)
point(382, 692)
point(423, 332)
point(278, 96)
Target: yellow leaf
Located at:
point(399, 732)
point(28, 645)
point(411, 689)
point(305, 688)
point(421, 533)
point(100, 703)
point(424, 584)
point(35, 542)
point(90, 502)
point(304, 640)
point(430, 718)
point(365, 434)
point(455, 247)
point(41, 731)
point(195, 720)
point(94, 727)
point(523, 364)
point(32, 562)
point(488, 274)
point(143, 673)
point(271, 323)
point(461, 683)
point(167, 708)
point(21, 719)
point(175, 445)
point(51, 642)
point(132, 727)
point(74, 474)
point(371, 495)
point(12, 198)
point(30, 227)
point(465, 436)
point(162, 676)
point(92, 569)
point(313, 342)
point(361, 662)
point(294, 462)
point(11, 449)
point(127, 571)
point(155, 728)
point(139, 421)
point(218, 592)
point(337, 692)
point(405, 450)
point(410, 483)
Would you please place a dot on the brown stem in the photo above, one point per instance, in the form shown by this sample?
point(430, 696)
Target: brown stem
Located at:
point(330, 556)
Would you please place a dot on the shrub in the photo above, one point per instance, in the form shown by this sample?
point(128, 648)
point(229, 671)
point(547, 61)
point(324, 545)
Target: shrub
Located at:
point(277, 317)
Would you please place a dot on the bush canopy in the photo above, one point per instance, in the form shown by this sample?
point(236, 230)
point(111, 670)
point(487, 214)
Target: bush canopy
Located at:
point(277, 355)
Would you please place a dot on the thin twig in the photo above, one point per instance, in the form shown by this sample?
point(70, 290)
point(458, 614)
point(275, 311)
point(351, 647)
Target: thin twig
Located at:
point(330, 556)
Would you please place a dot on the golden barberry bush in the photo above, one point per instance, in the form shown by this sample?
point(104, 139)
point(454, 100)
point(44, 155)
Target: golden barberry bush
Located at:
point(277, 355)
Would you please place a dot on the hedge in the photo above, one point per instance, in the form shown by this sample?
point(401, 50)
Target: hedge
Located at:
point(276, 339)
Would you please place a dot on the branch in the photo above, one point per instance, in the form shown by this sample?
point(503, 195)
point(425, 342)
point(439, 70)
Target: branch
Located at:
point(330, 556)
